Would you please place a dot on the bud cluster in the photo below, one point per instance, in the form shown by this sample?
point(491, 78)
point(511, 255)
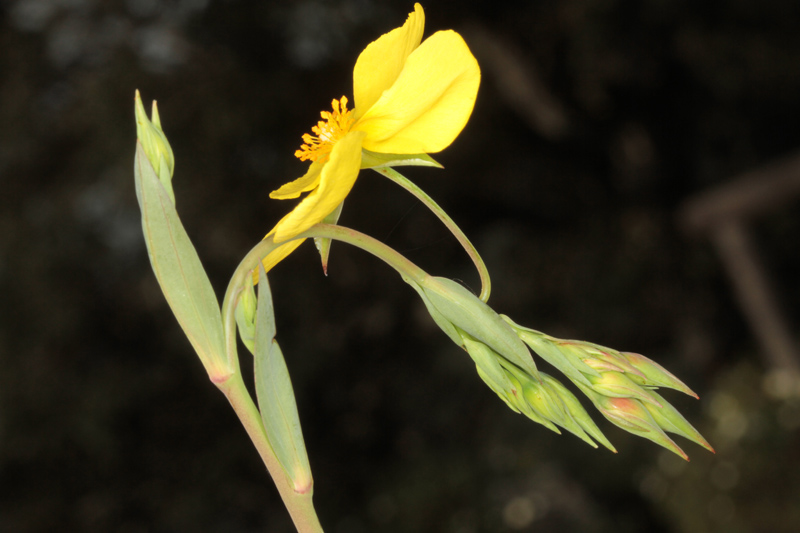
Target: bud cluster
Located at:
point(621, 385)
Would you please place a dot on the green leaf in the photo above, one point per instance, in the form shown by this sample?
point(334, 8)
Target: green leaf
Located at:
point(276, 399)
point(178, 270)
point(379, 160)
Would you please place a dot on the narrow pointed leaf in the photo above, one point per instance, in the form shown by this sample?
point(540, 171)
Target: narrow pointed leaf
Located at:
point(276, 399)
point(178, 269)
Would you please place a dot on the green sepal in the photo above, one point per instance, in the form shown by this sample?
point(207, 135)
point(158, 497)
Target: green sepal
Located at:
point(467, 312)
point(276, 399)
point(323, 244)
point(490, 371)
point(443, 323)
point(178, 269)
point(546, 348)
point(577, 412)
point(381, 160)
point(654, 375)
point(672, 421)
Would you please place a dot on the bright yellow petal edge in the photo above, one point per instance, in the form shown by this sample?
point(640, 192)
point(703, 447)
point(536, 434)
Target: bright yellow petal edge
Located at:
point(337, 178)
point(430, 102)
point(381, 62)
point(295, 188)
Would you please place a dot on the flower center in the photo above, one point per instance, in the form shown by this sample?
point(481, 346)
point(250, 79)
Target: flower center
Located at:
point(318, 147)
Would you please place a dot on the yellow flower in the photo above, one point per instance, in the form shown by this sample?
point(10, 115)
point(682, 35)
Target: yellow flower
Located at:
point(411, 97)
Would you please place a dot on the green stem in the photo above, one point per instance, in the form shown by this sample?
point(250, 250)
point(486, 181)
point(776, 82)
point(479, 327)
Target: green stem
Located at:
point(486, 284)
point(300, 506)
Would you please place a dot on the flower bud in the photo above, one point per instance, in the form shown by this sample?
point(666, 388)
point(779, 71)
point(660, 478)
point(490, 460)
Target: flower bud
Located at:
point(619, 385)
point(578, 413)
point(550, 350)
point(155, 144)
point(600, 357)
point(651, 374)
point(490, 371)
point(466, 312)
point(672, 421)
point(245, 314)
point(631, 415)
point(543, 403)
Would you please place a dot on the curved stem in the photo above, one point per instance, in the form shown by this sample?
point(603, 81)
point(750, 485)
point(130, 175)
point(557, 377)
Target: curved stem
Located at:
point(486, 283)
point(300, 506)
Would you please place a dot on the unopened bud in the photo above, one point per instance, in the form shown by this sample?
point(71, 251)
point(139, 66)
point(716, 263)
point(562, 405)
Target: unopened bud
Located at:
point(467, 312)
point(245, 314)
point(578, 413)
point(620, 386)
point(490, 371)
point(672, 421)
point(549, 349)
point(652, 374)
point(155, 144)
point(631, 415)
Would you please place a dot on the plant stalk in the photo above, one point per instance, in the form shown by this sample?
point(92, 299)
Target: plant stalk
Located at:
point(422, 196)
point(299, 505)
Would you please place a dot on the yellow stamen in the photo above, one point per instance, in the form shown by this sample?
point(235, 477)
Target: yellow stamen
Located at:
point(337, 123)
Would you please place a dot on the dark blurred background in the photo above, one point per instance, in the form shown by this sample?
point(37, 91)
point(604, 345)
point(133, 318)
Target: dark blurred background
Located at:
point(597, 123)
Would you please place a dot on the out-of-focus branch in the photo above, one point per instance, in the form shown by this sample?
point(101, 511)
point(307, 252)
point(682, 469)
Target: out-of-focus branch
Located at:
point(722, 214)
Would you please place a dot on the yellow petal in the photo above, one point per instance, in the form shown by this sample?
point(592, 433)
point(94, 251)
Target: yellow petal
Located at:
point(293, 189)
point(278, 254)
point(337, 178)
point(430, 102)
point(382, 60)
